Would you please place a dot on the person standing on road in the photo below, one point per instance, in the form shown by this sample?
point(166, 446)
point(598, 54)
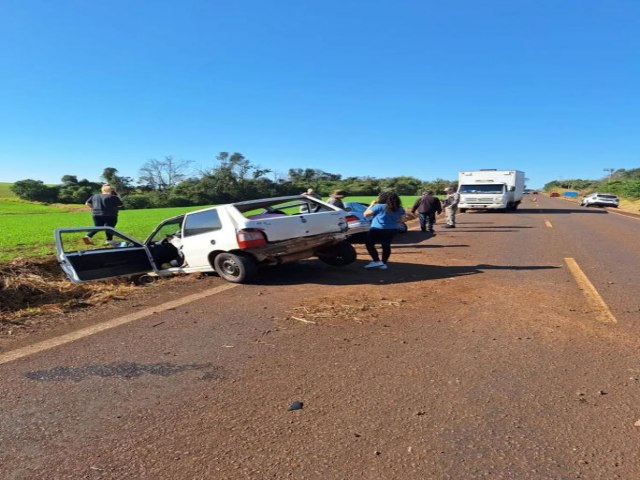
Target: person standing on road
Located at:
point(335, 199)
point(386, 212)
point(104, 211)
point(451, 206)
point(427, 206)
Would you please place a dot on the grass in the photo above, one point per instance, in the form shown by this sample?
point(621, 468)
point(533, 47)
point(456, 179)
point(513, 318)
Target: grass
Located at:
point(26, 229)
point(31, 235)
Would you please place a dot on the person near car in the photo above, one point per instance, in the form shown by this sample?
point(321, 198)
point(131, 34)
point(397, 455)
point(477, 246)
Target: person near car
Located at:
point(312, 193)
point(427, 206)
point(386, 213)
point(451, 206)
point(104, 211)
point(335, 199)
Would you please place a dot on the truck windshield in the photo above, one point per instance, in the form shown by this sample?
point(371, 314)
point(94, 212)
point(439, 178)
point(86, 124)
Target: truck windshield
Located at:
point(486, 188)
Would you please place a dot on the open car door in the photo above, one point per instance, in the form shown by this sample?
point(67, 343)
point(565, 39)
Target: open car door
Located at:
point(85, 260)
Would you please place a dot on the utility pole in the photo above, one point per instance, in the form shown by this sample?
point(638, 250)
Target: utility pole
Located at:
point(609, 171)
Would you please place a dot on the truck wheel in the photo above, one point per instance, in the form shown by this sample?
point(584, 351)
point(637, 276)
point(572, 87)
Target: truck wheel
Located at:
point(338, 255)
point(235, 268)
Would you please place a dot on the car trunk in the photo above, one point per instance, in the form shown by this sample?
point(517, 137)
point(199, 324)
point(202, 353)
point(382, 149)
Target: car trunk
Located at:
point(285, 227)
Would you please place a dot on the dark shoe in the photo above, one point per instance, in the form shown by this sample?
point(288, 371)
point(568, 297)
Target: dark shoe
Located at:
point(449, 226)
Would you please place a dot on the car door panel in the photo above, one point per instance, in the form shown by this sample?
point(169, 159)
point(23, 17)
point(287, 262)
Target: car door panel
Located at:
point(83, 263)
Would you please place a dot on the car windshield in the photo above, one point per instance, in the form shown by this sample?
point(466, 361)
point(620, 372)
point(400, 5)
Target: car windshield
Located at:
point(173, 226)
point(485, 188)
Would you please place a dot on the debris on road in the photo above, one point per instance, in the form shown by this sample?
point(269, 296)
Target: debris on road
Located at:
point(303, 320)
point(336, 310)
point(297, 405)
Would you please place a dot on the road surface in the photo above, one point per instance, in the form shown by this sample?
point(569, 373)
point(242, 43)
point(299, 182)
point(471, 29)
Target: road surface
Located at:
point(506, 348)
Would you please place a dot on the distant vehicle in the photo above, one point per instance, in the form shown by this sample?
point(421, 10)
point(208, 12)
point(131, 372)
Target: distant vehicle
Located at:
point(490, 189)
point(232, 240)
point(600, 200)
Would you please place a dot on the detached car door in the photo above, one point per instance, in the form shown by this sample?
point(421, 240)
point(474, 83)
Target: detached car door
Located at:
point(82, 262)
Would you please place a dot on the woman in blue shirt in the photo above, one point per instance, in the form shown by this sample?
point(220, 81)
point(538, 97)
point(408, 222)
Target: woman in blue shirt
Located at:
point(386, 212)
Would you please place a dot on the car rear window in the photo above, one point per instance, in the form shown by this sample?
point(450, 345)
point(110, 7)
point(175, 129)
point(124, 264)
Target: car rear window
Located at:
point(612, 197)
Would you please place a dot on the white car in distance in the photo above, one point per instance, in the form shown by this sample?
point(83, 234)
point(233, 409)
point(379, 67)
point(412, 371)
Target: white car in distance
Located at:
point(600, 200)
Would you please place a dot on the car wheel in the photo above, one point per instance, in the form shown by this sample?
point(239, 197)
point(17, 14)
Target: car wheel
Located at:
point(235, 268)
point(462, 210)
point(338, 255)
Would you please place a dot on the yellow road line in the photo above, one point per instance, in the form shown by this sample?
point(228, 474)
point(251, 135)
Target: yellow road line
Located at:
point(548, 223)
point(603, 314)
point(116, 322)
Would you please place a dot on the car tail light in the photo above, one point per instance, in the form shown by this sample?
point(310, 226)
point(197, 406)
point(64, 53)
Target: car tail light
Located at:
point(351, 218)
point(251, 238)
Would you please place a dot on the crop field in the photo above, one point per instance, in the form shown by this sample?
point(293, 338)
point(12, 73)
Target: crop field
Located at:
point(31, 234)
point(26, 229)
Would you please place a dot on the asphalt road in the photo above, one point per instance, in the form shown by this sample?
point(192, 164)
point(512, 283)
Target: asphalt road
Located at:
point(482, 352)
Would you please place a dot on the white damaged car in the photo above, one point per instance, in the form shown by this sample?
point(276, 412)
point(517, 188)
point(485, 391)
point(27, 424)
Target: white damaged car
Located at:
point(232, 240)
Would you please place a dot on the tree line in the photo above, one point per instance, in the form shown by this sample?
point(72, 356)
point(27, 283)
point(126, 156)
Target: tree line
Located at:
point(166, 183)
point(622, 182)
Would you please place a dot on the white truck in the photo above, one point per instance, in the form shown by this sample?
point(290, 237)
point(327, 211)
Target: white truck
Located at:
point(232, 240)
point(490, 189)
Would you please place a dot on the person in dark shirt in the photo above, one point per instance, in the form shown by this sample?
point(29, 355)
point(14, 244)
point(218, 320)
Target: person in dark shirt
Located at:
point(427, 206)
point(104, 211)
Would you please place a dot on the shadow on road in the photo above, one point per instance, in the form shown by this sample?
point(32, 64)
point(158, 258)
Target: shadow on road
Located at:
point(422, 245)
point(315, 272)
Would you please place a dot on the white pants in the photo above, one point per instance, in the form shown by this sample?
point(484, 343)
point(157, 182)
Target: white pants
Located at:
point(450, 215)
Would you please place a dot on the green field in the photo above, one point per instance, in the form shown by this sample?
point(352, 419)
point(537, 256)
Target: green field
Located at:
point(26, 229)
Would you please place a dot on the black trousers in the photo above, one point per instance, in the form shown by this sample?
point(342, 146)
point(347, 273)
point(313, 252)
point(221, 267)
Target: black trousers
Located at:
point(383, 236)
point(104, 221)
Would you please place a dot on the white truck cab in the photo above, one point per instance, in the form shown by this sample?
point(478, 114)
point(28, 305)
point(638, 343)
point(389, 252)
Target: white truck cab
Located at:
point(490, 189)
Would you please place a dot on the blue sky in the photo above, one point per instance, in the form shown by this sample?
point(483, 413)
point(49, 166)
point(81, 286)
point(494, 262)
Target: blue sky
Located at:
point(376, 88)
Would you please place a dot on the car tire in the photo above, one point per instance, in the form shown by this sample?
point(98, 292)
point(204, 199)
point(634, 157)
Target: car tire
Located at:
point(338, 255)
point(462, 210)
point(235, 268)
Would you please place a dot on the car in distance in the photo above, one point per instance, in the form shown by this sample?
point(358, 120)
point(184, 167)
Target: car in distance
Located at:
point(232, 240)
point(600, 200)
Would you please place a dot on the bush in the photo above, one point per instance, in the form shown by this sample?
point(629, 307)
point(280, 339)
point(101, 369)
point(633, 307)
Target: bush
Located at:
point(137, 201)
point(179, 201)
point(35, 191)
